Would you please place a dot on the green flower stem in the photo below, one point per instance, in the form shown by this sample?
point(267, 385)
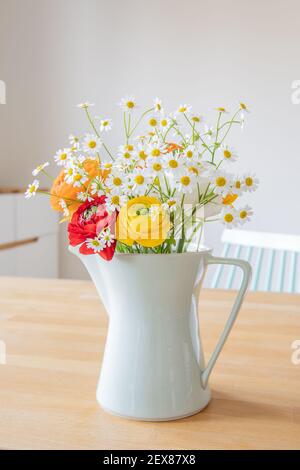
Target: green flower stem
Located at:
point(216, 140)
point(54, 195)
point(139, 121)
point(97, 133)
point(198, 134)
point(47, 174)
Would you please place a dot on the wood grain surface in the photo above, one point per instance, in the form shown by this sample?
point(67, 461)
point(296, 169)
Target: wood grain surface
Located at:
point(54, 332)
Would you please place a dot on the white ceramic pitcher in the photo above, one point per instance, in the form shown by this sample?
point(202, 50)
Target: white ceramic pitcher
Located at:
point(153, 367)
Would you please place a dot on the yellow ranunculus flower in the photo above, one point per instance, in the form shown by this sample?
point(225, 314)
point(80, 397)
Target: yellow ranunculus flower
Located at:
point(143, 220)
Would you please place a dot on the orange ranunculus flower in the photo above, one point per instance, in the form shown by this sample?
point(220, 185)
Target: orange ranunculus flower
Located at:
point(61, 190)
point(136, 222)
point(229, 199)
point(171, 147)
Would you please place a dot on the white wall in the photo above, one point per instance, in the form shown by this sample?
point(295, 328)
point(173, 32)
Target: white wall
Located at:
point(54, 53)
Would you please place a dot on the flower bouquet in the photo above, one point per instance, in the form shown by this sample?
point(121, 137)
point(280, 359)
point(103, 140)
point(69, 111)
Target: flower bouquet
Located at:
point(151, 197)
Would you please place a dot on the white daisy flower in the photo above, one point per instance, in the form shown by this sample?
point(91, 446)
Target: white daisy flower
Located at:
point(85, 105)
point(128, 103)
point(237, 186)
point(95, 244)
point(157, 105)
point(91, 144)
point(244, 108)
point(84, 196)
point(62, 156)
point(64, 207)
point(126, 153)
point(244, 214)
point(116, 182)
point(107, 236)
point(69, 174)
point(106, 125)
point(197, 119)
point(115, 202)
point(138, 181)
point(79, 179)
point(229, 217)
point(250, 183)
point(74, 141)
point(170, 205)
point(183, 109)
point(39, 168)
point(173, 162)
point(155, 167)
point(221, 181)
point(32, 189)
point(221, 109)
point(155, 150)
point(186, 182)
point(75, 176)
point(191, 152)
point(153, 121)
point(141, 153)
point(229, 154)
point(193, 168)
point(106, 165)
point(164, 122)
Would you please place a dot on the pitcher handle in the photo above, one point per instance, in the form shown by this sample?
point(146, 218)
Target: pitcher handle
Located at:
point(246, 267)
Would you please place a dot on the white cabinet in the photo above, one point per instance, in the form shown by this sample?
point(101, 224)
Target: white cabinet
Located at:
point(28, 237)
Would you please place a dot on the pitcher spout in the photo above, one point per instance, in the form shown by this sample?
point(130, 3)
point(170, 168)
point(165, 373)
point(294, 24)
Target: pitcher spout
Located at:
point(92, 264)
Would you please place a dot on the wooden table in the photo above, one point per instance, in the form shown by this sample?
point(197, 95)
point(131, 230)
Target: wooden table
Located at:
point(55, 330)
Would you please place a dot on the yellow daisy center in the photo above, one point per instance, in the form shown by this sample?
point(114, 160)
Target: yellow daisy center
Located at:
point(220, 181)
point(182, 109)
point(32, 189)
point(92, 144)
point(194, 170)
point(155, 153)
point(153, 122)
point(171, 203)
point(228, 218)
point(243, 214)
point(238, 184)
point(221, 109)
point(63, 156)
point(185, 180)
point(189, 153)
point(70, 171)
point(227, 154)
point(95, 243)
point(139, 179)
point(77, 177)
point(173, 164)
point(129, 147)
point(156, 166)
point(115, 200)
point(195, 119)
point(249, 181)
point(127, 155)
point(164, 122)
point(143, 155)
point(117, 181)
point(243, 106)
point(130, 104)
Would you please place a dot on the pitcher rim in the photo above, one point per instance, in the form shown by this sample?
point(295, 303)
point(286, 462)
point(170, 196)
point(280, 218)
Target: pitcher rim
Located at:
point(202, 250)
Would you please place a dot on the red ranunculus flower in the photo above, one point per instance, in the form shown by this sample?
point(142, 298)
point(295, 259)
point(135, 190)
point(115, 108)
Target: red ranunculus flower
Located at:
point(88, 222)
